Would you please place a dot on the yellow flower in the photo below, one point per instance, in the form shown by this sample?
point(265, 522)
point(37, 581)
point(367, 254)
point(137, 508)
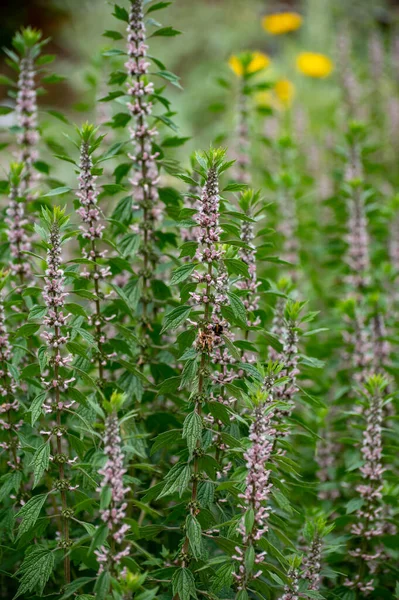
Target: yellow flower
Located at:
point(236, 65)
point(248, 63)
point(314, 65)
point(285, 91)
point(281, 22)
point(258, 62)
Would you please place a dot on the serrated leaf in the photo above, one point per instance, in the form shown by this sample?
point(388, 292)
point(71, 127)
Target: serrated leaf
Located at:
point(194, 534)
point(238, 308)
point(29, 513)
point(183, 584)
point(35, 570)
point(182, 273)
point(40, 462)
point(177, 480)
point(192, 429)
point(74, 586)
point(37, 312)
point(176, 317)
point(36, 407)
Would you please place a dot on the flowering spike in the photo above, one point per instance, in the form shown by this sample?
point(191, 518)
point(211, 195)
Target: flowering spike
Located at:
point(10, 405)
point(92, 232)
point(27, 42)
point(16, 232)
point(114, 514)
point(146, 177)
point(57, 383)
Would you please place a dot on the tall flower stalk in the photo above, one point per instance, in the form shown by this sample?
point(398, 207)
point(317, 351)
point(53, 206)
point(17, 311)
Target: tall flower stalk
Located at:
point(17, 234)
point(209, 296)
point(28, 43)
point(146, 176)
point(249, 204)
point(9, 406)
point(92, 233)
point(370, 523)
point(57, 403)
point(258, 487)
point(113, 493)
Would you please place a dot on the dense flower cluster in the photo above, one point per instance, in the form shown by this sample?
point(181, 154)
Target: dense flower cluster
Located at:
point(258, 487)
point(312, 564)
point(92, 232)
point(9, 406)
point(370, 518)
point(213, 293)
point(112, 478)
point(27, 121)
point(146, 177)
point(357, 257)
point(16, 231)
point(54, 295)
point(291, 589)
point(251, 284)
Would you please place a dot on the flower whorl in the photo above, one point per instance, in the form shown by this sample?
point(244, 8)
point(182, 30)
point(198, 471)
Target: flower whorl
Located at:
point(26, 109)
point(369, 517)
point(92, 232)
point(248, 255)
point(54, 297)
point(213, 294)
point(258, 487)
point(146, 177)
point(16, 232)
point(312, 564)
point(115, 513)
point(8, 388)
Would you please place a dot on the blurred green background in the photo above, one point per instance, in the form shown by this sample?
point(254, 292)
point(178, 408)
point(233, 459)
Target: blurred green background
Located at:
point(212, 31)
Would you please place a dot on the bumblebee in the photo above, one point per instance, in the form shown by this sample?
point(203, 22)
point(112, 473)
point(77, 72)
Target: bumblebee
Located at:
point(217, 329)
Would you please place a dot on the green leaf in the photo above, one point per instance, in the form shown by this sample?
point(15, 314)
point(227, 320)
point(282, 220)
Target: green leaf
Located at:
point(59, 191)
point(183, 584)
point(251, 370)
point(189, 372)
point(29, 513)
point(43, 357)
point(58, 115)
point(174, 141)
point(27, 330)
point(37, 312)
point(236, 267)
point(36, 407)
point(238, 308)
point(35, 571)
point(166, 32)
point(74, 586)
point(176, 317)
point(40, 462)
point(235, 187)
point(172, 78)
point(101, 588)
point(5, 110)
point(165, 439)
point(192, 429)
point(354, 505)
point(194, 534)
point(121, 13)
point(158, 6)
point(99, 538)
point(177, 480)
point(182, 273)
point(114, 35)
